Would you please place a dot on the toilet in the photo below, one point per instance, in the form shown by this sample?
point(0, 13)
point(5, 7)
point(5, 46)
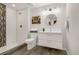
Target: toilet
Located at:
point(31, 41)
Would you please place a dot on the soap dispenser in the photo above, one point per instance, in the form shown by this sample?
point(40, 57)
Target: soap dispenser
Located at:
point(43, 29)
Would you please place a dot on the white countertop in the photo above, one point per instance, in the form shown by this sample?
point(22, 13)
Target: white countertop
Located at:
point(60, 32)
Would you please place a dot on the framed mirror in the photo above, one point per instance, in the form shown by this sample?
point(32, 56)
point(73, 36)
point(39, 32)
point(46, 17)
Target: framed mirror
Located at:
point(51, 19)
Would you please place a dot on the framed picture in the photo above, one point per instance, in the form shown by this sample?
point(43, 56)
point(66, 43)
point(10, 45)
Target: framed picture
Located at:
point(36, 20)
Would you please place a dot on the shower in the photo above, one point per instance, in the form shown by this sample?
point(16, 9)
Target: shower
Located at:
point(2, 25)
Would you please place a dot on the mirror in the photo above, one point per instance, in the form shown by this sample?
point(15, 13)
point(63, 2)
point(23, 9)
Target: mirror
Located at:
point(51, 19)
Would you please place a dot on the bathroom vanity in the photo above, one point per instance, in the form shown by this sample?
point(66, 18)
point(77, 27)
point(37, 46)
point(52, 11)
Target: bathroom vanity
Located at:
point(52, 39)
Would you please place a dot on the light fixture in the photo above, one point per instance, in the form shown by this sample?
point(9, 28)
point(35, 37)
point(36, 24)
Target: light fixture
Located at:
point(54, 10)
point(13, 5)
point(57, 10)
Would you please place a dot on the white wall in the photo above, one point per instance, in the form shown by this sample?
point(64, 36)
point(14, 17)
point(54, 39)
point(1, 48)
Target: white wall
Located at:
point(61, 16)
point(22, 19)
point(73, 34)
point(10, 27)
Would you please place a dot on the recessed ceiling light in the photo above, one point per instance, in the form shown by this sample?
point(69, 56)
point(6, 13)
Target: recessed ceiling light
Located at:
point(13, 5)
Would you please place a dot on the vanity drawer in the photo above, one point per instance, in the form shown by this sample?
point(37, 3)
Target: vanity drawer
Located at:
point(57, 38)
point(49, 34)
point(51, 44)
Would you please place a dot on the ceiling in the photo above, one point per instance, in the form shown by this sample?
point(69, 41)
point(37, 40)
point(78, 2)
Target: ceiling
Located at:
point(25, 5)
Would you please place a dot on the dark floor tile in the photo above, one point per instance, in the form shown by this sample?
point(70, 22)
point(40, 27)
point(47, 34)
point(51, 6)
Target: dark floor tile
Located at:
point(37, 51)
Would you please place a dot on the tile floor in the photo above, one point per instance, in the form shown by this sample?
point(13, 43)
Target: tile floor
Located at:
point(36, 51)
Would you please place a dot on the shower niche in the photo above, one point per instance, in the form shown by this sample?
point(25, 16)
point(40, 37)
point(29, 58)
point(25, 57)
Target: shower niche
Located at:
point(2, 25)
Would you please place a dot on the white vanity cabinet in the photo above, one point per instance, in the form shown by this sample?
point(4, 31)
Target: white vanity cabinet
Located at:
point(52, 40)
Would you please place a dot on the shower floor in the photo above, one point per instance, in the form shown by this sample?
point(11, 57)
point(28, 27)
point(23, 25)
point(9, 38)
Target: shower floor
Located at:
point(36, 51)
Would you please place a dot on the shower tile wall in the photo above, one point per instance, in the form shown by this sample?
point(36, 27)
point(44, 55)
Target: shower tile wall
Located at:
point(2, 25)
